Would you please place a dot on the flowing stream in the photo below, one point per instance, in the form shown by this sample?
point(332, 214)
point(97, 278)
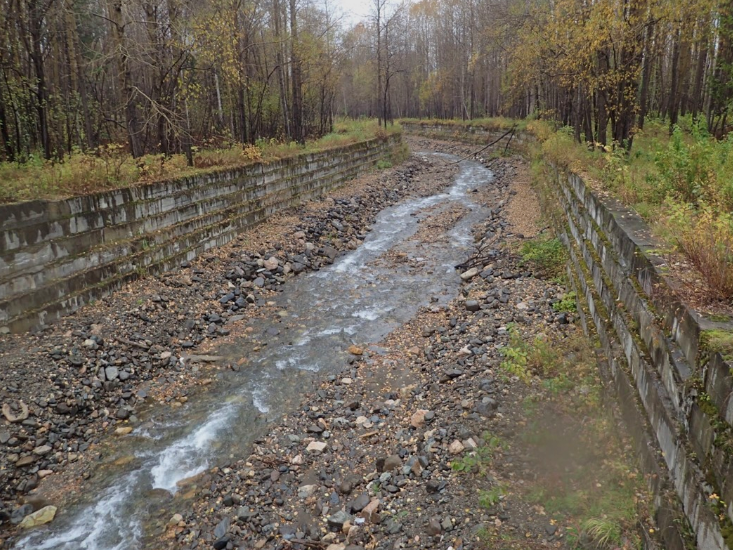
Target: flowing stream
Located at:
point(360, 298)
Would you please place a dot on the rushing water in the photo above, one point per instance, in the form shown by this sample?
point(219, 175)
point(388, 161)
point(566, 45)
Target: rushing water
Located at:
point(357, 299)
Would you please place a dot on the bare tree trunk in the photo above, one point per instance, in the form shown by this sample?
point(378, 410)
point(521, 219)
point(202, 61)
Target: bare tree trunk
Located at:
point(298, 130)
point(646, 74)
point(36, 14)
point(279, 59)
point(379, 4)
point(125, 77)
point(674, 100)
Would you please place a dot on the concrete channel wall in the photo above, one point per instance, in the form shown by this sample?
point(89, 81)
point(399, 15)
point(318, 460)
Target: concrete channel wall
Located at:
point(471, 134)
point(55, 256)
point(675, 396)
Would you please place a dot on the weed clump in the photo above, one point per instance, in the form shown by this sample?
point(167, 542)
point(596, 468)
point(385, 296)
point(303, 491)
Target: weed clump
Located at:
point(546, 254)
point(718, 341)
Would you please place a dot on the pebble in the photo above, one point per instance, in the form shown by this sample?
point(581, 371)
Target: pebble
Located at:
point(470, 274)
point(316, 447)
point(456, 447)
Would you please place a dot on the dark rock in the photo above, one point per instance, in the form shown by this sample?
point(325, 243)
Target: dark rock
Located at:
point(434, 528)
point(337, 520)
point(360, 503)
point(389, 463)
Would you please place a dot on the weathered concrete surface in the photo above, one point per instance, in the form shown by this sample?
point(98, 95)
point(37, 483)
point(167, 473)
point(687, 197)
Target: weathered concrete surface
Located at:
point(475, 135)
point(55, 256)
point(651, 343)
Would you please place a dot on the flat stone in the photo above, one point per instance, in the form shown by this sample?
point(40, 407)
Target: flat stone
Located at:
point(25, 461)
point(111, 373)
point(434, 528)
point(40, 517)
point(305, 491)
point(470, 274)
point(123, 430)
point(222, 528)
point(42, 450)
point(316, 447)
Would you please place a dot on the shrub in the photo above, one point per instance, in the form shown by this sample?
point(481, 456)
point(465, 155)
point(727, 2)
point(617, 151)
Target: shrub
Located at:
point(705, 236)
point(547, 255)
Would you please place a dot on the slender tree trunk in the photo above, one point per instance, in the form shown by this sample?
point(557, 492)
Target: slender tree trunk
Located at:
point(9, 153)
point(298, 130)
point(279, 59)
point(379, 4)
point(697, 94)
point(36, 15)
point(674, 100)
point(646, 74)
point(125, 78)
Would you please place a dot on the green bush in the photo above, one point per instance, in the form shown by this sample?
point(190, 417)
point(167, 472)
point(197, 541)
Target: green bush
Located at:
point(547, 255)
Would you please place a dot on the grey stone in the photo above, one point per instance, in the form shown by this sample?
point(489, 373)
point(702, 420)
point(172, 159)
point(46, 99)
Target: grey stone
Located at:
point(338, 519)
point(222, 528)
point(360, 503)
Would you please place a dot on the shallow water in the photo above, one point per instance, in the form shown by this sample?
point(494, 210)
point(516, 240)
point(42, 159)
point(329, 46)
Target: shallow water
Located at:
point(321, 314)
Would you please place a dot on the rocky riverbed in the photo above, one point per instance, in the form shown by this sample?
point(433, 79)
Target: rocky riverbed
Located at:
point(66, 387)
point(380, 455)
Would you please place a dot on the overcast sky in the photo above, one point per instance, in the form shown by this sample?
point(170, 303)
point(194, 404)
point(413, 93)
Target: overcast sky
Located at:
point(352, 10)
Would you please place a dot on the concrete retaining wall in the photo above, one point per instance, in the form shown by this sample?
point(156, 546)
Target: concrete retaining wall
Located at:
point(675, 396)
point(55, 256)
point(473, 135)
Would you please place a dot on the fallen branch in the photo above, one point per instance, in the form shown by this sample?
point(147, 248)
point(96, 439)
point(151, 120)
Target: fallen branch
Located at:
point(497, 140)
point(131, 343)
point(306, 543)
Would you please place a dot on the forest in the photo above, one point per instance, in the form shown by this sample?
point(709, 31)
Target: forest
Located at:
point(174, 76)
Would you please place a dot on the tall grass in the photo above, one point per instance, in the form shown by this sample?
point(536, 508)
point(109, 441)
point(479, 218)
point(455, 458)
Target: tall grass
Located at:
point(110, 166)
point(681, 183)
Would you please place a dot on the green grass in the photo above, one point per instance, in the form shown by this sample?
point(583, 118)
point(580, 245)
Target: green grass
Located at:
point(566, 304)
point(110, 167)
point(477, 461)
point(492, 497)
point(718, 341)
point(546, 254)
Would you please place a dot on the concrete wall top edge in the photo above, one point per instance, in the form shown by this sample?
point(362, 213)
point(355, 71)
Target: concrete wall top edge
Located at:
point(16, 215)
